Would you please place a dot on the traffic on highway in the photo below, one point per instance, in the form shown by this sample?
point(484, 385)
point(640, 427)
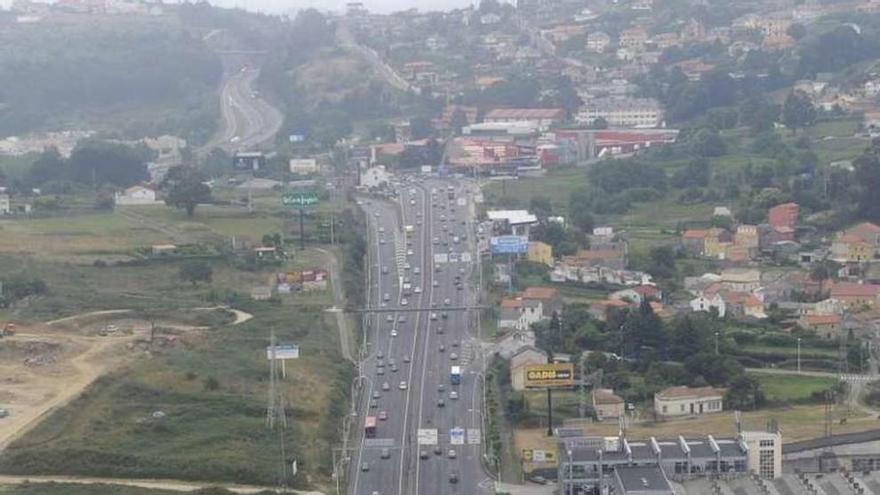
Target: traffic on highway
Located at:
point(419, 390)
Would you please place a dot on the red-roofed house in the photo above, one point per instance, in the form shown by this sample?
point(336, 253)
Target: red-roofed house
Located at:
point(827, 326)
point(694, 241)
point(548, 296)
point(601, 310)
point(858, 244)
point(853, 296)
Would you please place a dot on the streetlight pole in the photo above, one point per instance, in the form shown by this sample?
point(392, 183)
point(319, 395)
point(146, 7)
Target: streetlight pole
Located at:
point(716, 343)
point(799, 355)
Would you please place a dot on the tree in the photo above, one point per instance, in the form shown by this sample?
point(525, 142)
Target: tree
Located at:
point(662, 262)
point(96, 162)
point(186, 189)
point(867, 180)
point(541, 206)
point(580, 206)
point(708, 143)
point(50, 165)
point(195, 272)
point(796, 31)
point(798, 111)
point(694, 174)
point(458, 120)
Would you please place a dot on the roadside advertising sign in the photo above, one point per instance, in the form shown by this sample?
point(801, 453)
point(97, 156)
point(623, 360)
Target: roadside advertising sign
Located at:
point(283, 352)
point(549, 375)
point(456, 436)
point(509, 244)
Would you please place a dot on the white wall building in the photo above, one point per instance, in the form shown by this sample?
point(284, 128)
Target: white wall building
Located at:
point(136, 196)
point(687, 401)
point(703, 303)
point(622, 112)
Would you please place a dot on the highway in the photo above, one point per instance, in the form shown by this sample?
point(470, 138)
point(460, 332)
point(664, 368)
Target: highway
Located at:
point(248, 120)
point(431, 268)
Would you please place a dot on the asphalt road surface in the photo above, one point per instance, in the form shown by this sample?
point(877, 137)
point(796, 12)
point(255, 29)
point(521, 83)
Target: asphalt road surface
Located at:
point(429, 259)
point(248, 120)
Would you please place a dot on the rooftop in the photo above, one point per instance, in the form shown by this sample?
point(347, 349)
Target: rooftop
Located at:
point(539, 293)
point(525, 113)
point(640, 479)
point(683, 392)
point(606, 396)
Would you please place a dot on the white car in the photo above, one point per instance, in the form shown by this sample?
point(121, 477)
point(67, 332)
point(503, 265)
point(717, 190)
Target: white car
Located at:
point(404, 302)
point(402, 386)
point(394, 333)
point(453, 395)
point(417, 290)
point(409, 252)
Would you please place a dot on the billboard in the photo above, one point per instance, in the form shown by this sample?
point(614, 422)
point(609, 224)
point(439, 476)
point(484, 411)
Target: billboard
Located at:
point(549, 375)
point(509, 244)
point(248, 160)
point(283, 352)
point(456, 436)
point(535, 455)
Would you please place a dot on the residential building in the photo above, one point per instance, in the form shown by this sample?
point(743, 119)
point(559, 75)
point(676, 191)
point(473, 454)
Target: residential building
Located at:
point(857, 244)
point(601, 310)
point(634, 38)
point(548, 296)
point(261, 293)
point(607, 404)
point(742, 305)
point(611, 258)
point(716, 243)
point(827, 326)
point(540, 252)
point(5, 204)
point(526, 356)
point(741, 279)
point(622, 112)
point(598, 42)
point(509, 319)
point(746, 236)
point(136, 196)
point(637, 294)
point(855, 296)
point(515, 222)
point(688, 401)
point(707, 303)
point(694, 242)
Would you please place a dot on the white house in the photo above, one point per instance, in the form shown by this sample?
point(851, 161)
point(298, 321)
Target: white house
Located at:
point(136, 196)
point(687, 401)
point(5, 204)
point(703, 303)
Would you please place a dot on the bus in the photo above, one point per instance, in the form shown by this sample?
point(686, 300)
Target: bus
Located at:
point(370, 427)
point(450, 192)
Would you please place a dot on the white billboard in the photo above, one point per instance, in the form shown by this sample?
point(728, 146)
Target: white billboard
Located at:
point(456, 436)
point(427, 436)
point(289, 351)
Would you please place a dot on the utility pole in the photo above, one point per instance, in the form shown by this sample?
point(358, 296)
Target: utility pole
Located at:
point(716, 343)
point(302, 231)
point(799, 355)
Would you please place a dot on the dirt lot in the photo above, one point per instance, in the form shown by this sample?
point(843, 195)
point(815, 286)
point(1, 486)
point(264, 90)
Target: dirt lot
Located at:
point(44, 367)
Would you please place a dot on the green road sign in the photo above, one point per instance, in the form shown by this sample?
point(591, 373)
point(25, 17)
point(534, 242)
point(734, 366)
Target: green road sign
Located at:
point(299, 199)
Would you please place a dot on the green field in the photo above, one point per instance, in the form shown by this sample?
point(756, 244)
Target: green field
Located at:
point(792, 388)
point(211, 385)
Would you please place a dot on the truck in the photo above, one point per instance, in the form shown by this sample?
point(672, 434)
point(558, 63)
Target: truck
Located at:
point(409, 229)
point(455, 375)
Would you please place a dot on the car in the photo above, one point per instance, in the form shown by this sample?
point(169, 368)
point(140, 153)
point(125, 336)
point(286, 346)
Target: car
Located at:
point(402, 385)
point(380, 355)
point(406, 358)
point(453, 478)
point(383, 416)
point(423, 454)
point(380, 371)
point(442, 348)
point(447, 301)
point(436, 241)
point(385, 386)
point(440, 330)
point(453, 395)
point(376, 394)
point(455, 344)
point(4, 413)
point(374, 404)
point(438, 450)
point(365, 466)
point(417, 290)
point(412, 202)
point(441, 403)
point(437, 268)
point(389, 318)
point(436, 283)
point(381, 240)
point(461, 271)
point(394, 368)
point(384, 270)
point(540, 480)
point(441, 387)
point(394, 333)
point(444, 315)
point(459, 287)
point(433, 316)
point(380, 363)
point(453, 356)
point(386, 453)
point(444, 227)
point(401, 319)
point(451, 454)
point(409, 252)
point(418, 222)
point(386, 297)
point(417, 270)
point(381, 230)
point(404, 302)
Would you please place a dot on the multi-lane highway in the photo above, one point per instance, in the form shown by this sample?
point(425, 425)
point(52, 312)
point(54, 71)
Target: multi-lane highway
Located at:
point(248, 120)
point(422, 277)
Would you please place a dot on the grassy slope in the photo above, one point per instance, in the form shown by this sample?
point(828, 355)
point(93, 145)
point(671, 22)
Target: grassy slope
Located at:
point(790, 388)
